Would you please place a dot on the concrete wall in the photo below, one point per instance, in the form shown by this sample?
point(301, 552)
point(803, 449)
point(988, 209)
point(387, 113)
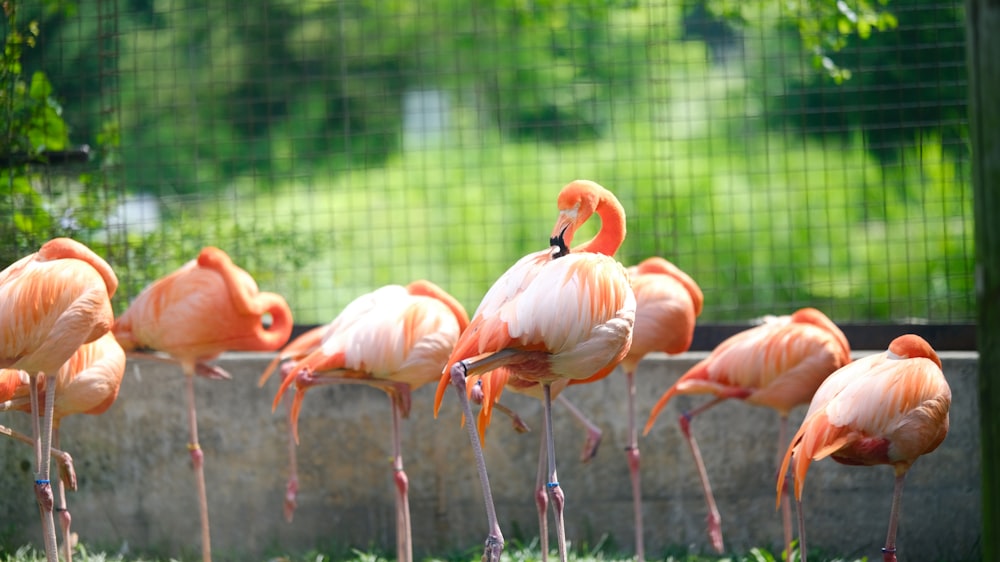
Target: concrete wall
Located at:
point(136, 486)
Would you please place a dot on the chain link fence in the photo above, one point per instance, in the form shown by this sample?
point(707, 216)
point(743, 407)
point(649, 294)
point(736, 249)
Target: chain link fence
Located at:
point(783, 154)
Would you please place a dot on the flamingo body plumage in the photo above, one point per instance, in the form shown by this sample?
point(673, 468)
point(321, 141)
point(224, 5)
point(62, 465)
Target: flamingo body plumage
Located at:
point(889, 408)
point(555, 316)
point(51, 303)
point(204, 308)
point(777, 364)
point(668, 302)
point(395, 338)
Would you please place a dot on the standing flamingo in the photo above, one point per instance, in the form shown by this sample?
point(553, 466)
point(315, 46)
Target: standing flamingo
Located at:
point(86, 384)
point(667, 303)
point(394, 338)
point(889, 408)
point(778, 364)
point(206, 307)
point(554, 316)
point(51, 303)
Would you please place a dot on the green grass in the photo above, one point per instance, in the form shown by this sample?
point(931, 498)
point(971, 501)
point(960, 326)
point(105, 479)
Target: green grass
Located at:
point(514, 553)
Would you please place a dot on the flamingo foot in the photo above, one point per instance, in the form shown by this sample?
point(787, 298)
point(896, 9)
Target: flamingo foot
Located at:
point(291, 495)
point(590, 446)
point(494, 548)
point(66, 472)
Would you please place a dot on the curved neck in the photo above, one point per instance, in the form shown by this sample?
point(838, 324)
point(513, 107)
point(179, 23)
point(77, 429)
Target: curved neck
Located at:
point(612, 233)
point(428, 289)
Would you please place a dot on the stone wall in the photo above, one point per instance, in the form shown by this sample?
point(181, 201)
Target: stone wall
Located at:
point(136, 486)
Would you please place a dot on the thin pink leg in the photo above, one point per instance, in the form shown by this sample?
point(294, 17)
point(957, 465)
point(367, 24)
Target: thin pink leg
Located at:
point(542, 502)
point(632, 456)
point(494, 540)
point(802, 521)
point(292, 486)
point(404, 549)
point(714, 519)
point(65, 519)
point(197, 464)
point(558, 498)
point(43, 449)
point(594, 433)
point(889, 551)
point(786, 505)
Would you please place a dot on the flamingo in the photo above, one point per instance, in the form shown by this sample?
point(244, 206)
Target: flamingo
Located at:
point(778, 364)
point(396, 339)
point(667, 303)
point(554, 316)
point(888, 408)
point(208, 306)
point(51, 303)
point(86, 384)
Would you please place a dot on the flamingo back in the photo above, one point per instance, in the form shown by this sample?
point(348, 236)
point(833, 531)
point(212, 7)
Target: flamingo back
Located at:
point(888, 408)
point(204, 308)
point(778, 364)
point(667, 303)
point(51, 303)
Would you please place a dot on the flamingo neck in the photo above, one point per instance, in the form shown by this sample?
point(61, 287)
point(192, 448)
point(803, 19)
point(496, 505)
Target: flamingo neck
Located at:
point(612, 233)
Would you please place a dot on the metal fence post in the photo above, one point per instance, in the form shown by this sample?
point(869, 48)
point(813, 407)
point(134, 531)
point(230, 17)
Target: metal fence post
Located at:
point(983, 48)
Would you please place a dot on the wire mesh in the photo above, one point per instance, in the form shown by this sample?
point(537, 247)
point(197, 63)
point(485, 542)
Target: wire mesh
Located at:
point(333, 147)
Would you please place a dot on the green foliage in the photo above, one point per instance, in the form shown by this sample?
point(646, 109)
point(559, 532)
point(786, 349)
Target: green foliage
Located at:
point(36, 202)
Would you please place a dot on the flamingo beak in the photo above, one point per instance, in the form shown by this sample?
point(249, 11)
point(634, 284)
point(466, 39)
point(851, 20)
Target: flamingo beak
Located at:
point(558, 239)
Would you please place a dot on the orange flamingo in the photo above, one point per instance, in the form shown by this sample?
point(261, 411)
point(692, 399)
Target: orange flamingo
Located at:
point(396, 339)
point(206, 307)
point(554, 316)
point(778, 364)
point(86, 384)
point(667, 303)
point(889, 408)
point(51, 303)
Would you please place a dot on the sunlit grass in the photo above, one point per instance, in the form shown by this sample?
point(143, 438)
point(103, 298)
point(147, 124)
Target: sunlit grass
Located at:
point(516, 553)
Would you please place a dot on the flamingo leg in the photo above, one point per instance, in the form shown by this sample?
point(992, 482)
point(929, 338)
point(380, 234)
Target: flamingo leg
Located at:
point(458, 372)
point(786, 505)
point(594, 433)
point(889, 551)
point(714, 519)
point(66, 472)
point(65, 519)
point(292, 487)
point(632, 456)
point(197, 464)
point(558, 498)
point(42, 428)
point(404, 548)
point(542, 502)
point(515, 420)
point(802, 521)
